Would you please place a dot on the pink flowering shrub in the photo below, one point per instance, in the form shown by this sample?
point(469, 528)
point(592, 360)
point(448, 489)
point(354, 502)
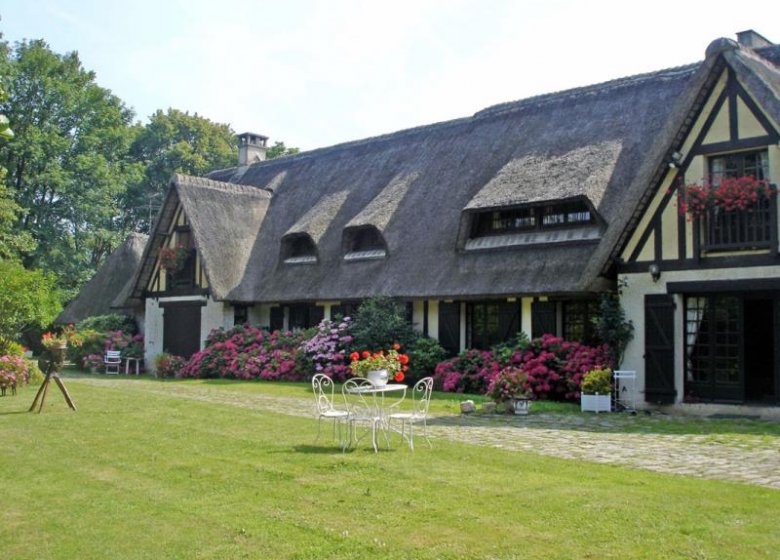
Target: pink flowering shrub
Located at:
point(246, 352)
point(14, 370)
point(329, 349)
point(553, 367)
point(469, 372)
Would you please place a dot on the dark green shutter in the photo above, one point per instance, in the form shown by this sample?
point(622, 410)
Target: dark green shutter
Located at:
point(449, 327)
point(543, 318)
point(659, 349)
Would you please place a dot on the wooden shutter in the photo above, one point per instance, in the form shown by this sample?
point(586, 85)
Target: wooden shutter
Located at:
point(316, 314)
point(659, 349)
point(508, 320)
point(543, 318)
point(449, 327)
point(277, 318)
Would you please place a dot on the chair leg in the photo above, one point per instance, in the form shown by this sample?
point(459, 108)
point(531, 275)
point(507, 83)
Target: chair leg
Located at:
point(319, 428)
point(411, 435)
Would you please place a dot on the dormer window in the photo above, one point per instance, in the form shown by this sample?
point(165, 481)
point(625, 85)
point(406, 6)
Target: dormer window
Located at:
point(298, 249)
point(363, 242)
point(498, 222)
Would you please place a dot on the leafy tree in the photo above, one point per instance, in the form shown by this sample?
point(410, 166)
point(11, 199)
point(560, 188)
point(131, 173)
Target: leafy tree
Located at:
point(28, 299)
point(174, 142)
point(280, 150)
point(67, 162)
point(379, 323)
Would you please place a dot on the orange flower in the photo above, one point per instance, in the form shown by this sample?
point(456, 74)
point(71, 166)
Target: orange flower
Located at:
point(399, 376)
point(366, 354)
point(354, 356)
point(403, 358)
point(396, 346)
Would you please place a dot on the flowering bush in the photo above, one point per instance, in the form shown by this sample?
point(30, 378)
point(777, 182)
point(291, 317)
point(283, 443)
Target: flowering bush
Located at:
point(131, 346)
point(14, 370)
point(246, 352)
point(553, 367)
point(510, 383)
point(469, 372)
point(172, 258)
point(396, 364)
point(93, 361)
point(168, 365)
point(329, 347)
point(738, 193)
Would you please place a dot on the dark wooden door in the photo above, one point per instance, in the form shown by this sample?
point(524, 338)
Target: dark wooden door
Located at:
point(181, 329)
point(659, 349)
point(449, 327)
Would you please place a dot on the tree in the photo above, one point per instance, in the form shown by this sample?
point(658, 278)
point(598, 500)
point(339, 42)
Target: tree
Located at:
point(28, 299)
point(68, 161)
point(174, 142)
point(280, 150)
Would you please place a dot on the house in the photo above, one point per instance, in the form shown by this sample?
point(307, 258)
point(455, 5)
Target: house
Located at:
point(108, 290)
point(515, 218)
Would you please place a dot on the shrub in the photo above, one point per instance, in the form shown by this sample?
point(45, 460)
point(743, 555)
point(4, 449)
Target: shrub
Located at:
point(612, 327)
point(510, 383)
point(93, 361)
point(328, 348)
point(14, 370)
point(110, 322)
point(34, 373)
point(9, 347)
point(379, 323)
point(597, 381)
point(424, 355)
point(246, 352)
point(168, 365)
point(468, 372)
point(28, 299)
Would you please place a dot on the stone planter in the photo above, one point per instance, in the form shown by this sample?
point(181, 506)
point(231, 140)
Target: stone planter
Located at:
point(595, 403)
point(520, 407)
point(377, 377)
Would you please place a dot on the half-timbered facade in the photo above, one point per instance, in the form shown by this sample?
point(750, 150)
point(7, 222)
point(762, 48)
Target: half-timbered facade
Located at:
point(513, 219)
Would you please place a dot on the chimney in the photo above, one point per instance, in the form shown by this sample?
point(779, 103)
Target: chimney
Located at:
point(251, 148)
point(753, 40)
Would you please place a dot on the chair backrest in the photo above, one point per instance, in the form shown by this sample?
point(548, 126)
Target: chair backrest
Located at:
point(113, 355)
point(323, 388)
point(355, 392)
point(421, 396)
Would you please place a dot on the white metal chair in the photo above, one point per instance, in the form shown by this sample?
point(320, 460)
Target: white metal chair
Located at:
point(113, 361)
point(421, 400)
point(323, 388)
point(362, 410)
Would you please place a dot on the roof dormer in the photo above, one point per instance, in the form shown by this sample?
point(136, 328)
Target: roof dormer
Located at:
point(363, 243)
point(298, 248)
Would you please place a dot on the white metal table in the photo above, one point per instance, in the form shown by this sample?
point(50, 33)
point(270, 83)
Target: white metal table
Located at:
point(379, 408)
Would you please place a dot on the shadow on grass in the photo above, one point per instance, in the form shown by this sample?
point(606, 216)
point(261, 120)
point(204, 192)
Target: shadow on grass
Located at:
point(318, 449)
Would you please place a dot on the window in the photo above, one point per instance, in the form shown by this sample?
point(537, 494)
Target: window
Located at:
point(497, 222)
point(740, 229)
point(491, 323)
point(578, 317)
point(298, 249)
point(240, 314)
point(363, 242)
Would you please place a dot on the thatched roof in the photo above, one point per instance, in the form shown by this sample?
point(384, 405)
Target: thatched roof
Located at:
point(108, 289)
point(606, 143)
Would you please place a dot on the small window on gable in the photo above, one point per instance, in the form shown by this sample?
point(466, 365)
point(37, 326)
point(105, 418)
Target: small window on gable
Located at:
point(298, 249)
point(363, 243)
point(744, 164)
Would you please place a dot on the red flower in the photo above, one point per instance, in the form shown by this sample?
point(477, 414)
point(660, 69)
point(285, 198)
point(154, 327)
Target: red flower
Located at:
point(399, 376)
point(396, 346)
point(366, 353)
point(403, 358)
point(354, 356)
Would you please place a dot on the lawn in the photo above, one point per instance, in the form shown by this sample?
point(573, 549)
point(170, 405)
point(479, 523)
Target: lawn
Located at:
point(139, 472)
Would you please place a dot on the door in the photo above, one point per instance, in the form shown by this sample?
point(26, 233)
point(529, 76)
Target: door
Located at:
point(181, 329)
point(659, 349)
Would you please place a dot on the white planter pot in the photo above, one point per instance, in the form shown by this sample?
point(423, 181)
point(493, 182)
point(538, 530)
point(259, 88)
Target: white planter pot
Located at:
point(520, 406)
point(377, 377)
point(595, 403)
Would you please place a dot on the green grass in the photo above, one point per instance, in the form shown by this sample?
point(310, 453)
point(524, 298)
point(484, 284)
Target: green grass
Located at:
point(139, 474)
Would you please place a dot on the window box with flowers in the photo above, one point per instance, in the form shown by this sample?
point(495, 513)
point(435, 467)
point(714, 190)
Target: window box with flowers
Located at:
point(172, 259)
point(731, 212)
point(380, 366)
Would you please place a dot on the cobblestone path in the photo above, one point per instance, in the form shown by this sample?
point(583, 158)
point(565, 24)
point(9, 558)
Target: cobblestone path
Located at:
point(747, 459)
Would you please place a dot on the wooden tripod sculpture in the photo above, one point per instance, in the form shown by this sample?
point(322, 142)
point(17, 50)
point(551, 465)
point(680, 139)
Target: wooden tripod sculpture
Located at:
point(52, 361)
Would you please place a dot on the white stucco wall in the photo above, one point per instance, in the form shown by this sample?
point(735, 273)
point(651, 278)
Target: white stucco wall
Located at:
point(633, 301)
point(214, 315)
point(153, 332)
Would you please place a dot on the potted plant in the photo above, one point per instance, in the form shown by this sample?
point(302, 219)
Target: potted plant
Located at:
point(510, 386)
point(596, 391)
point(380, 366)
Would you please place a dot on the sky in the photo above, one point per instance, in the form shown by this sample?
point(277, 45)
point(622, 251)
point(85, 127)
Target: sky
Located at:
point(315, 73)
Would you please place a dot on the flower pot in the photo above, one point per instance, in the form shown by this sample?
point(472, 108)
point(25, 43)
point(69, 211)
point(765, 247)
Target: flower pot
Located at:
point(520, 406)
point(377, 377)
point(595, 403)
